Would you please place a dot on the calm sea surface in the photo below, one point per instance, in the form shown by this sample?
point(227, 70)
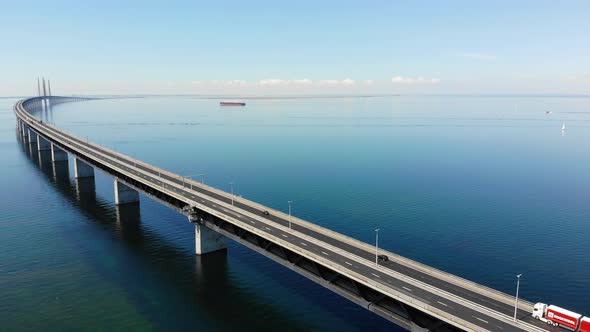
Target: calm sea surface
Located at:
point(482, 187)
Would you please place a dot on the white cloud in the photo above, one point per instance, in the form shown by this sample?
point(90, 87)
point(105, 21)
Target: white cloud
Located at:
point(328, 82)
point(272, 81)
point(222, 83)
point(304, 81)
point(479, 56)
point(578, 77)
point(276, 81)
point(414, 80)
point(281, 83)
point(236, 82)
point(346, 81)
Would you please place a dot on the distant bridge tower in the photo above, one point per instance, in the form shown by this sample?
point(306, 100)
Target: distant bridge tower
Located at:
point(49, 88)
point(38, 87)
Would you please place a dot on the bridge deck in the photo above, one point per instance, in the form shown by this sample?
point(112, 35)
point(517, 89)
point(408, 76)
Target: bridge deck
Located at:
point(457, 301)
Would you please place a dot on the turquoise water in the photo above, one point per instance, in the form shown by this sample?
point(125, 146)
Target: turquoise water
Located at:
point(482, 187)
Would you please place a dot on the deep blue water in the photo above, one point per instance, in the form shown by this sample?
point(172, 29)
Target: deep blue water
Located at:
point(482, 187)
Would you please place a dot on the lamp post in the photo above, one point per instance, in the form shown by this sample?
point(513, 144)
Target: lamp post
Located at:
point(190, 177)
point(376, 246)
point(516, 301)
point(289, 213)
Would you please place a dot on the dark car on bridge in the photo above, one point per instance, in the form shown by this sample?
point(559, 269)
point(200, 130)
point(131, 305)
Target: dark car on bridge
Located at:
point(383, 258)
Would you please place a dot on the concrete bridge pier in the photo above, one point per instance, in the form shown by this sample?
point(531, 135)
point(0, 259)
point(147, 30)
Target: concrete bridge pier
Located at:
point(58, 154)
point(82, 169)
point(124, 194)
point(44, 157)
point(61, 174)
point(20, 131)
point(25, 133)
point(32, 136)
point(208, 240)
point(43, 144)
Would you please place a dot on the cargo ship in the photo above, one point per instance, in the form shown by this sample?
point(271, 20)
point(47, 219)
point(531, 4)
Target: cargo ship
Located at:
point(232, 103)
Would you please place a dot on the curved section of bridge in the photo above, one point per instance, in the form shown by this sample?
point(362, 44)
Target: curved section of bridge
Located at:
point(412, 295)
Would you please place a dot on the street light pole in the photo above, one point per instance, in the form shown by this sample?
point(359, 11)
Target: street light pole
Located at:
point(289, 213)
point(190, 177)
point(377, 246)
point(516, 301)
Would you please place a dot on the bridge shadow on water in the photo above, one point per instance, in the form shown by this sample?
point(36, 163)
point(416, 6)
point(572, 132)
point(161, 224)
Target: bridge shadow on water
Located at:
point(203, 295)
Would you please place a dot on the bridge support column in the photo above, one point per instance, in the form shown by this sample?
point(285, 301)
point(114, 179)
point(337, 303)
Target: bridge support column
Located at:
point(82, 169)
point(58, 154)
point(43, 144)
point(25, 133)
point(32, 136)
point(61, 173)
point(124, 194)
point(208, 240)
point(44, 157)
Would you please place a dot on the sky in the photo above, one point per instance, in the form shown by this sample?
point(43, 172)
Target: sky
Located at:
point(260, 47)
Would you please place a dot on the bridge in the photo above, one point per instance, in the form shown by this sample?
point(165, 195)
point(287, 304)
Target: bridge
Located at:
point(409, 294)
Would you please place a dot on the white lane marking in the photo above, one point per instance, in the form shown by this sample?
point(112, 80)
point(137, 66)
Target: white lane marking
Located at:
point(442, 303)
point(325, 253)
point(203, 200)
point(348, 263)
point(501, 328)
point(214, 205)
point(406, 288)
point(303, 243)
point(485, 321)
point(376, 275)
point(268, 229)
point(251, 222)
